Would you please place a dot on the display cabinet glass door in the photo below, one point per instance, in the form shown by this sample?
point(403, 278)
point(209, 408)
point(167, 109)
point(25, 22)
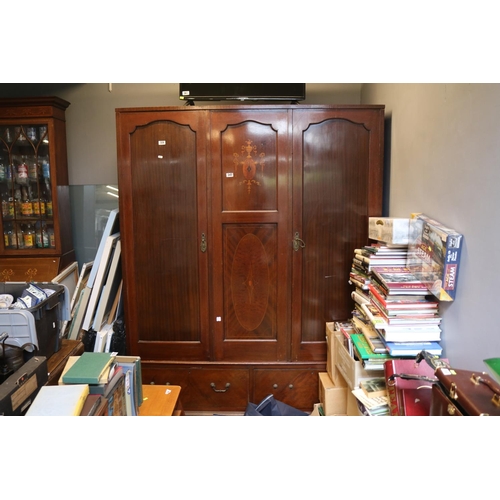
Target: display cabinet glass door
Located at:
point(25, 188)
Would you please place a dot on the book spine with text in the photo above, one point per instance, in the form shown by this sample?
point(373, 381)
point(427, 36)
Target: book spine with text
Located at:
point(392, 395)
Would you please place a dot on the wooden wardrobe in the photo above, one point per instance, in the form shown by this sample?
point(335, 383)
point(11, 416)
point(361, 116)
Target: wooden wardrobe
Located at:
point(238, 225)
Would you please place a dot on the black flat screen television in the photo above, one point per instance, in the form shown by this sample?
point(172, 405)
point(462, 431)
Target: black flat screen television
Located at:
point(242, 91)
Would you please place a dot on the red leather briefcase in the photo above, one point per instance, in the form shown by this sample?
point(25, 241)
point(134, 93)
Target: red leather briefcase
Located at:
point(463, 392)
point(409, 387)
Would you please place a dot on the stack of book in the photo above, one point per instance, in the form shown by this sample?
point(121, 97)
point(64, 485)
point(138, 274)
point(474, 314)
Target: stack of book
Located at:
point(395, 316)
point(113, 384)
point(379, 254)
point(395, 311)
point(403, 312)
point(367, 346)
point(374, 255)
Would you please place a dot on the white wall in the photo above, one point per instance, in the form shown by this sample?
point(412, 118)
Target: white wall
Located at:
point(444, 161)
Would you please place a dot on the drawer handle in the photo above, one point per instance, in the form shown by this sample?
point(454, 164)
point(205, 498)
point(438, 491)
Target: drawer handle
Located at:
point(275, 386)
point(212, 385)
point(290, 386)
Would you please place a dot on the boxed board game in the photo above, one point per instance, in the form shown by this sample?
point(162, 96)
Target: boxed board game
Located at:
point(434, 255)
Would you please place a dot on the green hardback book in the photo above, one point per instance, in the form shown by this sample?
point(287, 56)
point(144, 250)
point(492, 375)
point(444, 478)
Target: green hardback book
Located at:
point(363, 348)
point(493, 365)
point(88, 368)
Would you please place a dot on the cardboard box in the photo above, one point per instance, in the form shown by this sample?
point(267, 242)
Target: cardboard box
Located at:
point(393, 231)
point(330, 352)
point(317, 410)
point(333, 397)
point(350, 369)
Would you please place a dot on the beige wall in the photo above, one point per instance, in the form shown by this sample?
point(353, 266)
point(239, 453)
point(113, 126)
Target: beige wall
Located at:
point(444, 160)
point(90, 119)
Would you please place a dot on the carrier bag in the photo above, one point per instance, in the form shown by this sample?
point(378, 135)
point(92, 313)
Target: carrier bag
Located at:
point(464, 392)
point(270, 407)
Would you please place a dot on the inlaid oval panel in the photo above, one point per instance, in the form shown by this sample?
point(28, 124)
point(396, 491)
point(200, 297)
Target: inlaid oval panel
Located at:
point(250, 282)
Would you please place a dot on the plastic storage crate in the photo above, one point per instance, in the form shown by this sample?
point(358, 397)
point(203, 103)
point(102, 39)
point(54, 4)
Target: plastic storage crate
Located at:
point(39, 325)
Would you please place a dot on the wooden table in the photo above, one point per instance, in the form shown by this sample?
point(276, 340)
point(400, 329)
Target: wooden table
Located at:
point(161, 400)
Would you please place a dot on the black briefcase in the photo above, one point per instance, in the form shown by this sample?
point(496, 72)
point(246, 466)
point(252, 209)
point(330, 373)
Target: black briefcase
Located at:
point(20, 389)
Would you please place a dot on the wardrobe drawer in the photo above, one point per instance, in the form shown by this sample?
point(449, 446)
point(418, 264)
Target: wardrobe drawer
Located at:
point(165, 376)
point(296, 387)
point(217, 389)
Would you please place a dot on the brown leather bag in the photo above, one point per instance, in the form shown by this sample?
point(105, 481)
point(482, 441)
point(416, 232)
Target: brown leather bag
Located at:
point(463, 392)
point(442, 405)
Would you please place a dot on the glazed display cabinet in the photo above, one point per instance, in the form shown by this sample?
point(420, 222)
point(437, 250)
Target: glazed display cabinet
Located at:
point(34, 193)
